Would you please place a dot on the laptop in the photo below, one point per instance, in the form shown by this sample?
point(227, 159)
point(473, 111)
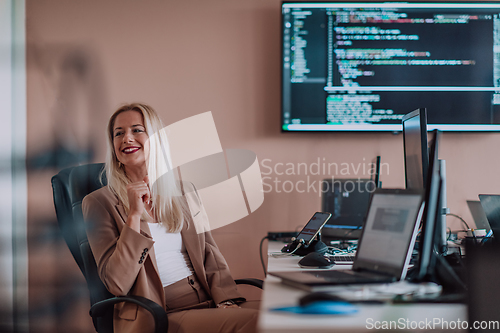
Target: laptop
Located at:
point(384, 249)
point(491, 207)
point(478, 215)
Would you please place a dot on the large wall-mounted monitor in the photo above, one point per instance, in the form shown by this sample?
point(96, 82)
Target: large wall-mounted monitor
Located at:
point(359, 66)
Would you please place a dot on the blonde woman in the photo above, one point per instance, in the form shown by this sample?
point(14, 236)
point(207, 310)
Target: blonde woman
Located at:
point(144, 241)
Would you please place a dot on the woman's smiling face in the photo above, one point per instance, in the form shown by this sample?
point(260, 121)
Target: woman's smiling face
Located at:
point(130, 139)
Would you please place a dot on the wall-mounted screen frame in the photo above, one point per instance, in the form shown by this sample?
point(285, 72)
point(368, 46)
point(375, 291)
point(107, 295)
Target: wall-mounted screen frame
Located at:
point(359, 66)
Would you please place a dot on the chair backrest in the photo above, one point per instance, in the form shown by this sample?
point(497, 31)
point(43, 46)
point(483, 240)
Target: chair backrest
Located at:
point(70, 186)
point(64, 213)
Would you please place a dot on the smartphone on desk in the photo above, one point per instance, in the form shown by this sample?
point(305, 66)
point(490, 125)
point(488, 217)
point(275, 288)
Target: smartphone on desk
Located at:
point(309, 232)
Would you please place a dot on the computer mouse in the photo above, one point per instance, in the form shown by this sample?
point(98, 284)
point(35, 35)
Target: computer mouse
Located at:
point(319, 296)
point(316, 260)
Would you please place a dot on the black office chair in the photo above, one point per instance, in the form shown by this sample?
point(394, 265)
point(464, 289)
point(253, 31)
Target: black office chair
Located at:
point(69, 187)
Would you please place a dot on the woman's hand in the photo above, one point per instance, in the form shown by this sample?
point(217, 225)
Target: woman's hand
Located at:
point(227, 304)
point(138, 194)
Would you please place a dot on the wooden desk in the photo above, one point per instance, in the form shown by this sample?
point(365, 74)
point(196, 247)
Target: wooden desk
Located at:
point(367, 319)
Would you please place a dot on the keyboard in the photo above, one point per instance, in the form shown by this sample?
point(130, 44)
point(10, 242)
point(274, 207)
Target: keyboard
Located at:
point(343, 259)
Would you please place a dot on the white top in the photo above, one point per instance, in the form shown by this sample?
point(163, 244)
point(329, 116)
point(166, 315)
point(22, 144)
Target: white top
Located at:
point(171, 256)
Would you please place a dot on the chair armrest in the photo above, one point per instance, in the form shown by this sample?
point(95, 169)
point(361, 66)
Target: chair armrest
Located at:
point(253, 282)
point(100, 308)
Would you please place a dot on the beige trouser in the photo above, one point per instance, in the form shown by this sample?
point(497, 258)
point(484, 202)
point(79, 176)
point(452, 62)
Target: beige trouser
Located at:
point(191, 309)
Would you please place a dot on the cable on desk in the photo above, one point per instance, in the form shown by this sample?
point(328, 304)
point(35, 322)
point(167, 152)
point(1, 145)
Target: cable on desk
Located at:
point(286, 254)
point(463, 221)
point(338, 251)
point(261, 258)
point(460, 218)
point(299, 245)
point(351, 231)
point(457, 231)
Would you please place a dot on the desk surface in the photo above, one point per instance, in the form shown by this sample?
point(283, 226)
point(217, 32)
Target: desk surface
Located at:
point(368, 318)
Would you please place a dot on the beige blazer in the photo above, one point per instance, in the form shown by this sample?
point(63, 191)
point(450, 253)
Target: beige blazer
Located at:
point(127, 264)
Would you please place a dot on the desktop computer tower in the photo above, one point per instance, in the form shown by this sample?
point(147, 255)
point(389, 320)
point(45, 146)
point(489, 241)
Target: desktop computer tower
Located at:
point(347, 200)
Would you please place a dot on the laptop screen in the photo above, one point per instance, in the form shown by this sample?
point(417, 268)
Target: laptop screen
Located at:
point(390, 231)
point(478, 215)
point(491, 207)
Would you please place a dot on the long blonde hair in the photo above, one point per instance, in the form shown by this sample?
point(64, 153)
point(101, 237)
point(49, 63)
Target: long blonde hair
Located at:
point(169, 207)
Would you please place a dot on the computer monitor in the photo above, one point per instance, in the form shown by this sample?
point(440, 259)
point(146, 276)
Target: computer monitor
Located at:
point(432, 265)
point(416, 154)
point(347, 200)
point(416, 157)
point(376, 174)
point(430, 221)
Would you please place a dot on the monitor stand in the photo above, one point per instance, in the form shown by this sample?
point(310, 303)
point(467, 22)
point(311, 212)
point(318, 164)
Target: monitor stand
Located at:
point(441, 235)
